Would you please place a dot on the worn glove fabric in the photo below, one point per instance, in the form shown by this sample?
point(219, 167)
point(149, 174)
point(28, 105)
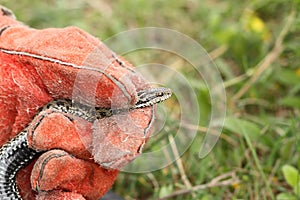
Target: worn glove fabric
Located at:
point(81, 159)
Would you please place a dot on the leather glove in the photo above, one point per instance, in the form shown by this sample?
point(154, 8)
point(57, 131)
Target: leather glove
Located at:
point(81, 159)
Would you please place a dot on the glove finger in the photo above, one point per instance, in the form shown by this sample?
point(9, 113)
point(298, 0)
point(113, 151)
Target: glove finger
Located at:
point(58, 170)
point(52, 130)
point(59, 195)
point(119, 139)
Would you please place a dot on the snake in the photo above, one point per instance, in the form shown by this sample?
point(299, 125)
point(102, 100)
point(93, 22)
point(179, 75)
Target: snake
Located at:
point(16, 153)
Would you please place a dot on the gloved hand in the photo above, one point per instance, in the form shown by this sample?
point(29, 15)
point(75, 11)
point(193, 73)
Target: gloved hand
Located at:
point(81, 159)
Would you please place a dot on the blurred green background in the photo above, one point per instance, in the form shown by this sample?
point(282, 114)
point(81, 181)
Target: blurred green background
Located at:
point(256, 46)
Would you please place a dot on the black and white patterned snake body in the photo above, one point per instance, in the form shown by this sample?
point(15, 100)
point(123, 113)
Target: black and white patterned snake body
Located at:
point(13, 156)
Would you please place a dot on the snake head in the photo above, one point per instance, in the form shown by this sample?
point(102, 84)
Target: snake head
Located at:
point(151, 96)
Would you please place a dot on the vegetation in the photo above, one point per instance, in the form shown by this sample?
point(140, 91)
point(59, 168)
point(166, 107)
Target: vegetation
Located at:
point(256, 46)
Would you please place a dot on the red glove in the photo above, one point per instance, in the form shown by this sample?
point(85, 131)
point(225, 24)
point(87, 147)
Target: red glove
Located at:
point(37, 66)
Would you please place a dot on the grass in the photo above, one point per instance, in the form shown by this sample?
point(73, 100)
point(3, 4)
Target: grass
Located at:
point(256, 47)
